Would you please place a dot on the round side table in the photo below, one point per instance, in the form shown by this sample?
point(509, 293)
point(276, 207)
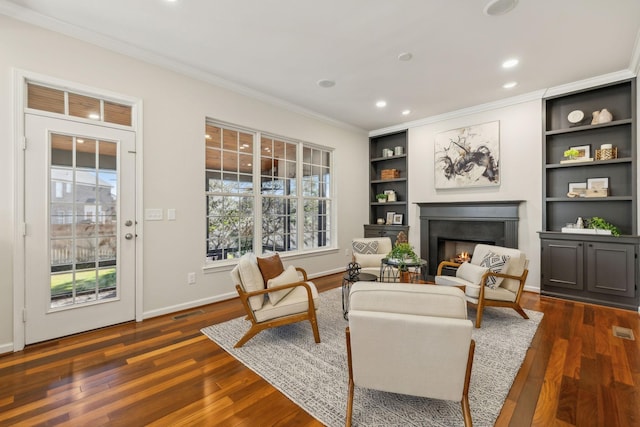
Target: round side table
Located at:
point(347, 281)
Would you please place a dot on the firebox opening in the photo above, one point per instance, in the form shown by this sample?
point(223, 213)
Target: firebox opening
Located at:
point(457, 250)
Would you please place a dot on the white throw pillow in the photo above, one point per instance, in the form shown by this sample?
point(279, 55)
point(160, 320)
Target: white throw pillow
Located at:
point(471, 272)
point(251, 278)
point(497, 264)
point(289, 275)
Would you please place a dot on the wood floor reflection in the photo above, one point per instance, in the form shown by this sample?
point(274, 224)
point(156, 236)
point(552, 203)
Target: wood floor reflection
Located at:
point(163, 371)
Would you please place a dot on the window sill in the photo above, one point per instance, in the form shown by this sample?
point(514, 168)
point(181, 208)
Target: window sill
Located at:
point(227, 265)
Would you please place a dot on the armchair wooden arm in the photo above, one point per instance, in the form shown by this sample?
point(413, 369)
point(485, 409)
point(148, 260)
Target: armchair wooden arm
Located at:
point(446, 264)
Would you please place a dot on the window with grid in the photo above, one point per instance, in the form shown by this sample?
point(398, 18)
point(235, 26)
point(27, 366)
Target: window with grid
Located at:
point(264, 193)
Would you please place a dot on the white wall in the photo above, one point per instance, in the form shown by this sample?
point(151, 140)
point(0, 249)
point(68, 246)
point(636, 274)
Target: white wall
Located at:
point(520, 172)
point(175, 108)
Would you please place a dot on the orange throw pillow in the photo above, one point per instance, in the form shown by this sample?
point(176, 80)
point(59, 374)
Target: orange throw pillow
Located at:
point(270, 267)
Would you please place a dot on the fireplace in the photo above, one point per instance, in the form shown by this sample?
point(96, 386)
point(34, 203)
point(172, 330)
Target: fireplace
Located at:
point(447, 229)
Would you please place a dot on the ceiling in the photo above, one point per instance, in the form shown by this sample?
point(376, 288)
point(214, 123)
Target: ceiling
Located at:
point(278, 50)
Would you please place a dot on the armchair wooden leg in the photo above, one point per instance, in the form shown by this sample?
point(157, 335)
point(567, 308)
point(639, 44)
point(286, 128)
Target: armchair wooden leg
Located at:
point(480, 308)
point(349, 404)
point(351, 383)
point(250, 334)
point(314, 326)
point(521, 312)
point(466, 409)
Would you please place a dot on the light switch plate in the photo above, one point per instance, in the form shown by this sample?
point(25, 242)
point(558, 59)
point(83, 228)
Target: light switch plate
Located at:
point(171, 214)
point(153, 214)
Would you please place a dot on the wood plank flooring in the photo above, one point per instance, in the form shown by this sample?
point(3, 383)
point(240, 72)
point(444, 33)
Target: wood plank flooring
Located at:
point(163, 372)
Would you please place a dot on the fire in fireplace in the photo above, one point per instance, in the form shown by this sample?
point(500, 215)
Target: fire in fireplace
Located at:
point(456, 250)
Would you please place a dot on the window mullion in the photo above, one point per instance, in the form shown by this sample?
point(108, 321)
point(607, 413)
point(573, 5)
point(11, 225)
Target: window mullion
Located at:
point(257, 193)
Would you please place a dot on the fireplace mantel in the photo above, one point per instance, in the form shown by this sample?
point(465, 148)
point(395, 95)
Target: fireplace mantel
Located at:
point(478, 220)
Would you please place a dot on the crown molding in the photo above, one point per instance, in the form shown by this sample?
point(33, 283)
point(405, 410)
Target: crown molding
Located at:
point(589, 83)
point(531, 96)
point(507, 102)
point(30, 17)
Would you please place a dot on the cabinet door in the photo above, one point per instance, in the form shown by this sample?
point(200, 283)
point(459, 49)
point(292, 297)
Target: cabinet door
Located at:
point(563, 264)
point(610, 269)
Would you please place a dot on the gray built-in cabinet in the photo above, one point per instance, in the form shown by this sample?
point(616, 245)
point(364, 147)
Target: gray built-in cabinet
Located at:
point(379, 162)
point(598, 269)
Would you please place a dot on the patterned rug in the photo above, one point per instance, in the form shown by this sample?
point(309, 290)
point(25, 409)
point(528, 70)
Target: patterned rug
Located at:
point(315, 376)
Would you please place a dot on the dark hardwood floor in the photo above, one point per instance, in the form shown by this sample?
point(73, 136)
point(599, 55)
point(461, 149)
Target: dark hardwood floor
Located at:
point(163, 371)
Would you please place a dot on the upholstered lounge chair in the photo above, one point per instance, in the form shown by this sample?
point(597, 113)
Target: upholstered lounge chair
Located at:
point(368, 252)
point(291, 298)
point(484, 287)
point(410, 339)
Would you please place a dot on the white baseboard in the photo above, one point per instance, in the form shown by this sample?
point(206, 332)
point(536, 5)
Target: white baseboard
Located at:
point(188, 305)
point(532, 289)
point(197, 303)
point(6, 348)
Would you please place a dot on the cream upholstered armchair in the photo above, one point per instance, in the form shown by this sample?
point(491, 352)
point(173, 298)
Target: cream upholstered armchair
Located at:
point(368, 252)
point(410, 339)
point(287, 297)
point(495, 276)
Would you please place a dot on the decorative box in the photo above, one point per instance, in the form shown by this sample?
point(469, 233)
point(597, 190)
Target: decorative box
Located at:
point(389, 174)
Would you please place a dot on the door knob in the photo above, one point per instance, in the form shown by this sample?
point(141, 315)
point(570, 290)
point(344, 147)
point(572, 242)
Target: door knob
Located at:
point(128, 236)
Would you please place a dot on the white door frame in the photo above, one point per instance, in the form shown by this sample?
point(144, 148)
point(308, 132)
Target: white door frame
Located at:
point(19, 288)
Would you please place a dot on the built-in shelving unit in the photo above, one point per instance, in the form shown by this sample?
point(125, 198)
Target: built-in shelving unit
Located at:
point(379, 161)
point(591, 268)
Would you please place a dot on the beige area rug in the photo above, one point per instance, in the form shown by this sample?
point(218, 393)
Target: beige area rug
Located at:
point(315, 376)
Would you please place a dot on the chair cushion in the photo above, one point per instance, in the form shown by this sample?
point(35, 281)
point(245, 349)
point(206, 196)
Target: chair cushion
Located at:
point(365, 247)
point(270, 267)
point(471, 273)
point(451, 281)
point(295, 302)
point(369, 260)
point(497, 264)
point(248, 276)
point(290, 275)
point(499, 294)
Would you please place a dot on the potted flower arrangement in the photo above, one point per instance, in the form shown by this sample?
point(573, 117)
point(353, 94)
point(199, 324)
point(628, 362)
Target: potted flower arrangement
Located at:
point(598, 223)
point(382, 197)
point(403, 252)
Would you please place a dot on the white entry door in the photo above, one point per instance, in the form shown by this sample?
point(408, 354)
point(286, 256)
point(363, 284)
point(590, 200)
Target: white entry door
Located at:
point(80, 227)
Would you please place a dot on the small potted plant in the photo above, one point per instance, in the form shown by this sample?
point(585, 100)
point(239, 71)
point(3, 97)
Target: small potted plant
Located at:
point(382, 197)
point(571, 154)
point(598, 223)
point(403, 252)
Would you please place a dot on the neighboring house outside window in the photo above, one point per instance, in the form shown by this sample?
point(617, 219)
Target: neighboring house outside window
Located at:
point(257, 196)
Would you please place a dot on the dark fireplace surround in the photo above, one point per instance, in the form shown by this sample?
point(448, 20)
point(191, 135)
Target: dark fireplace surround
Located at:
point(482, 222)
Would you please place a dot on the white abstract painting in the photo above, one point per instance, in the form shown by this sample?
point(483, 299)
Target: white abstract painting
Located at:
point(468, 156)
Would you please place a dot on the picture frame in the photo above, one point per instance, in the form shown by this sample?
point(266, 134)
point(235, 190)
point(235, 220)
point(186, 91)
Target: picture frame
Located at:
point(390, 216)
point(597, 183)
point(397, 219)
point(584, 150)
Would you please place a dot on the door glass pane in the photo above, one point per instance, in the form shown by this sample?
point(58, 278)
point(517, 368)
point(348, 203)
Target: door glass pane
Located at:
point(83, 220)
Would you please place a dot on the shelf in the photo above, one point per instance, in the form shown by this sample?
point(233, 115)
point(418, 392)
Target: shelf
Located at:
point(388, 203)
point(593, 163)
point(382, 181)
point(589, 127)
point(382, 159)
point(590, 199)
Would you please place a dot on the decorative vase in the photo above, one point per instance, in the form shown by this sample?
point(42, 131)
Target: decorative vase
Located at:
point(605, 116)
point(594, 117)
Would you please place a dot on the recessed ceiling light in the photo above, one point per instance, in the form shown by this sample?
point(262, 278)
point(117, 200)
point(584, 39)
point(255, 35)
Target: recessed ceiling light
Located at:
point(510, 85)
point(510, 63)
point(94, 116)
point(405, 56)
point(406, 112)
point(326, 83)
point(207, 136)
point(499, 7)
point(381, 104)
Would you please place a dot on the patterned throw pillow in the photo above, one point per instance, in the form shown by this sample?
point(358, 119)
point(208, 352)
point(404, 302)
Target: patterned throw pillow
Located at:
point(497, 264)
point(370, 247)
